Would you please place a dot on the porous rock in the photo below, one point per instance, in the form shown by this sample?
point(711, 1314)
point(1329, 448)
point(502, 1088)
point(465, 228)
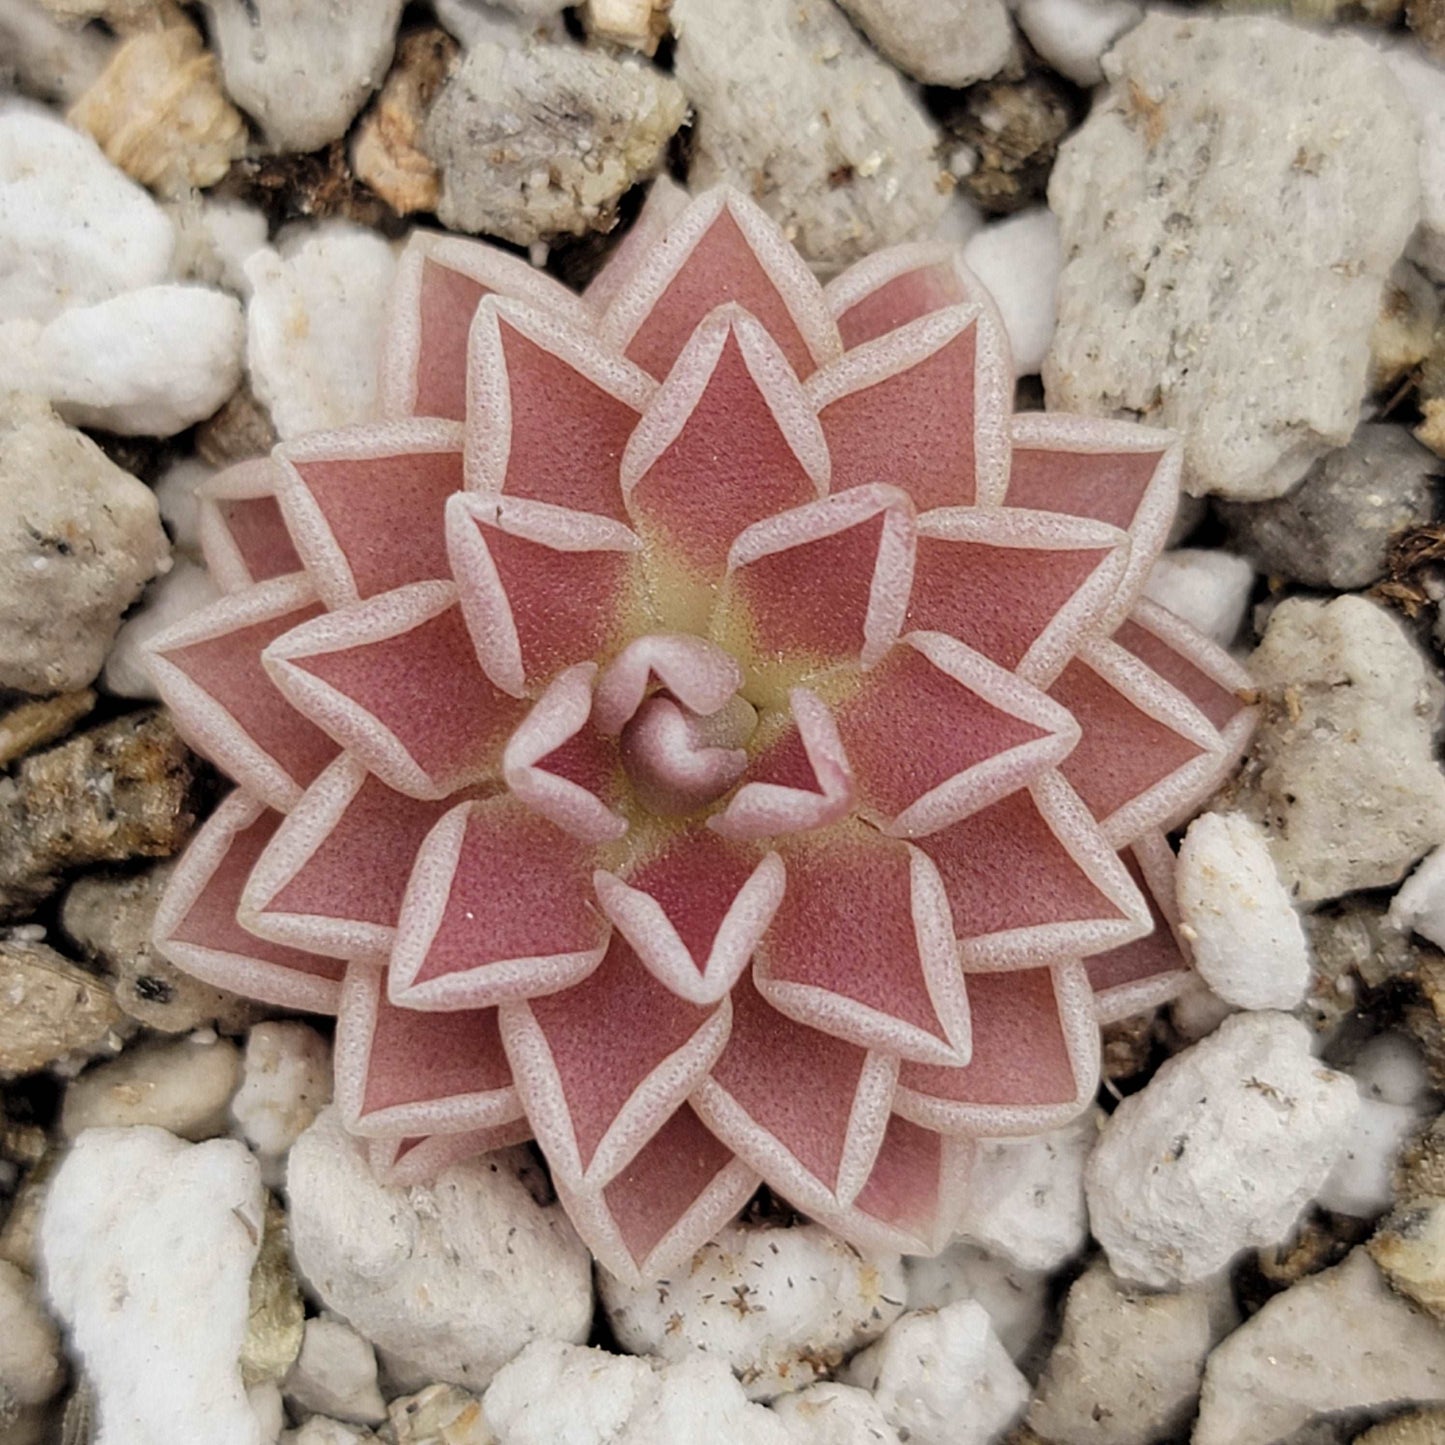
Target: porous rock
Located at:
point(1073, 35)
point(387, 152)
point(79, 538)
point(1018, 261)
point(1336, 1342)
point(1342, 774)
point(40, 57)
point(810, 122)
point(73, 229)
point(1025, 1197)
point(127, 789)
point(952, 42)
point(780, 1305)
point(111, 919)
point(447, 1280)
point(1015, 1299)
point(148, 1246)
point(554, 1391)
point(52, 1008)
point(941, 1377)
point(299, 73)
point(1334, 529)
point(1247, 939)
point(30, 725)
point(1004, 137)
point(285, 1083)
point(159, 112)
point(536, 141)
point(150, 362)
point(1206, 586)
point(180, 1085)
point(829, 1414)
point(1230, 212)
point(31, 1371)
point(1220, 1151)
point(1127, 1367)
point(315, 324)
point(335, 1375)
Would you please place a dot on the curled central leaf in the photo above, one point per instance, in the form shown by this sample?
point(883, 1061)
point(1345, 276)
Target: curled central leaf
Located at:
point(679, 762)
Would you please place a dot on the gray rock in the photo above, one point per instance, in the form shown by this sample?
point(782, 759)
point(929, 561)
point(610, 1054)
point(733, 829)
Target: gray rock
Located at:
point(1342, 773)
point(79, 539)
point(111, 919)
point(948, 42)
point(1334, 529)
point(128, 789)
point(52, 1009)
point(1230, 212)
point(1127, 1368)
point(1336, 1342)
point(541, 140)
point(448, 1280)
point(795, 110)
point(303, 68)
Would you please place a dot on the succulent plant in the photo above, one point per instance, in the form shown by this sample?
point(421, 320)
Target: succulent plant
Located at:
point(700, 727)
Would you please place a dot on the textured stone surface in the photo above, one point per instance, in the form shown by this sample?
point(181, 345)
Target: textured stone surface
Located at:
point(948, 42)
point(30, 725)
point(79, 538)
point(52, 1008)
point(159, 112)
point(315, 323)
point(1248, 942)
point(554, 1392)
point(127, 789)
point(810, 122)
point(1220, 1151)
point(543, 140)
point(299, 73)
point(1230, 212)
point(180, 1085)
point(942, 1378)
point(1342, 773)
point(781, 1306)
point(111, 920)
point(73, 229)
point(447, 1280)
point(387, 151)
point(148, 1246)
point(1334, 529)
point(1073, 35)
point(1336, 1342)
point(1127, 1367)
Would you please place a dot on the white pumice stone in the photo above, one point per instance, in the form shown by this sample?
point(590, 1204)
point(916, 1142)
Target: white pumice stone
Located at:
point(942, 1378)
point(1220, 1151)
point(148, 1245)
point(1247, 938)
point(779, 1305)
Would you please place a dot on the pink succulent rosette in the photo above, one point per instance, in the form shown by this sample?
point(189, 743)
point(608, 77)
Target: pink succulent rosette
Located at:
point(701, 728)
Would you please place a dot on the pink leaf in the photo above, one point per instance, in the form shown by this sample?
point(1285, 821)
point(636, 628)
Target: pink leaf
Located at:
point(196, 922)
point(242, 532)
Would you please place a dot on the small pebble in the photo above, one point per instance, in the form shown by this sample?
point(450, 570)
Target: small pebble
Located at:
point(828, 1414)
point(183, 1086)
point(943, 1378)
point(148, 1246)
point(1017, 1300)
point(285, 1083)
point(1220, 1151)
point(315, 324)
point(949, 42)
point(780, 1305)
point(52, 1009)
point(335, 1375)
point(1205, 586)
point(1247, 939)
point(1018, 260)
point(1339, 1341)
point(447, 1280)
